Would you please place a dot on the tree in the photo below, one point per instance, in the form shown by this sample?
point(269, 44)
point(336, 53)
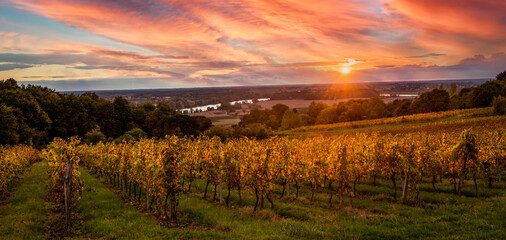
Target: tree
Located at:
point(355, 110)
point(166, 121)
point(466, 97)
point(432, 101)
point(9, 132)
point(399, 107)
point(453, 89)
point(278, 111)
point(501, 76)
point(8, 84)
point(122, 117)
point(39, 114)
point(328, 115)
point(483, 95)
point(73, 116)
point(33, 121)
point(139, 114)
point(314, 109)
point(95, 136)
point(269, 117)
point(133, 135)
point(226, 106)
point(223, 133)
point(255, 116)
point(499, 104)
point(291, 120)
point(256, 130)
point(456, 102)
point(377, 108)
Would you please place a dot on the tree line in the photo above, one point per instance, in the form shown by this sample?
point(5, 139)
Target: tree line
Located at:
point(281, 117)
point(34, 115)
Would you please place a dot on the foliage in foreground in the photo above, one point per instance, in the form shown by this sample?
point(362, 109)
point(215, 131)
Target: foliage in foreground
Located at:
point(13, 161)
point(167, 168)
point(58, 154)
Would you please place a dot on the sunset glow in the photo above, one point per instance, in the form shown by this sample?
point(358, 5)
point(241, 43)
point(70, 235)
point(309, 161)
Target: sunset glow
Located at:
point(345, 70)
point(77, 44)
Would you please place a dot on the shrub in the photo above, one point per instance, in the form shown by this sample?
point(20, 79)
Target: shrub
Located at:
point(499, 104)
point(94, 137)
point(256, 130)
point(223, 133)
point(133, 135)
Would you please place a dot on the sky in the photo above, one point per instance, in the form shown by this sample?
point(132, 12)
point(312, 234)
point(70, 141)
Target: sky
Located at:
point(143, 44)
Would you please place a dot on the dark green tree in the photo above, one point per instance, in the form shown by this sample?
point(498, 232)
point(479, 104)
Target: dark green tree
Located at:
point(291, 120)
point(399, 107)
point(501, 76)
point(314, 109)
point(499, 104)
point(377, 108)
point(33, 121)
point(9, 132)
point(121, 118)
point(224, 133)
point(453, 89)
point(432, 101)
point(94, 137)
point(483, 95)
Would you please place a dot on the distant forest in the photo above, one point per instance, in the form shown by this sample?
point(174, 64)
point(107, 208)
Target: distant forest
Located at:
point(193, 97)
point(34, 115)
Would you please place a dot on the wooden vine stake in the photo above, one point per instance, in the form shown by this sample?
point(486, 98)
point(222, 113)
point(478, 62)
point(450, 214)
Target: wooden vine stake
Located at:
point(221, 188)
point(406, 176)
point(67, 188)
point(497, 159)
point(287, 177)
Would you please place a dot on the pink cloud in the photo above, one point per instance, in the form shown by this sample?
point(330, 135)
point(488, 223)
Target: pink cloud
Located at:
point(230, 41)
point(460, 27)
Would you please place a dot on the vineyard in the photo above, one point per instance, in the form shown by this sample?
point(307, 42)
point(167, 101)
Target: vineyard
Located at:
point(165, 169)
point(303, 179)
point(13, 161)
point(415, 118)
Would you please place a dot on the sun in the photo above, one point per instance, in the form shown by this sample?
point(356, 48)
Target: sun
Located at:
point(345, 70)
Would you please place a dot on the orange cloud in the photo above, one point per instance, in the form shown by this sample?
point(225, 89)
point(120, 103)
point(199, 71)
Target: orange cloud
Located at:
point(224, 30)
point(229, 41)
point(459, 27)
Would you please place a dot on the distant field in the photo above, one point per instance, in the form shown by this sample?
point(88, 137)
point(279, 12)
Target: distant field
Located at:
point(226, 121)
point(300, 103)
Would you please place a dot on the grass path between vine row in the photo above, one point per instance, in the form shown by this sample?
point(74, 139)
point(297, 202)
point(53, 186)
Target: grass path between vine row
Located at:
point(107, 216)
point(442, 215)
point(23, 215)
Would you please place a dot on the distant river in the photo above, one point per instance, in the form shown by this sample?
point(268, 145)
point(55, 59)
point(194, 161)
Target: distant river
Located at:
point(216, 106)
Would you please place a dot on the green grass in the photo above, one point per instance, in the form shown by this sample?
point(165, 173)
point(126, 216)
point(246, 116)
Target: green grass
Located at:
point(375, 215)
point(23, 216)
point(107, 216)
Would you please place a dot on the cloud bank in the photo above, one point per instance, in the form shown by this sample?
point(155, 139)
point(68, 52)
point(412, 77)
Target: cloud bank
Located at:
point(230, 42)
